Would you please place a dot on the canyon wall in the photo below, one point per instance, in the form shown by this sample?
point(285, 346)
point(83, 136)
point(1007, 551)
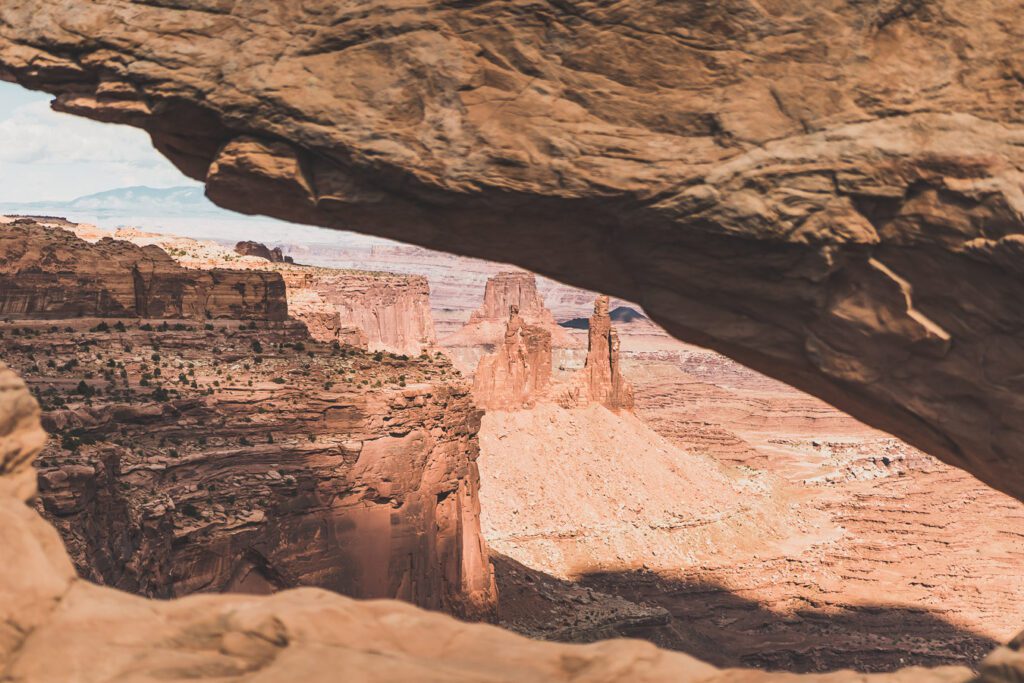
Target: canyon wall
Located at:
point(828, 192)
point(305, 634)
point(49, 273)
point(393, 311)
point(309, 467)
point(377, 310)
point(232, 455)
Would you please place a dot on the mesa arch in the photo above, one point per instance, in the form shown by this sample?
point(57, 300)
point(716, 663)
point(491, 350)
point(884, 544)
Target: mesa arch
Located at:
point(829, 192)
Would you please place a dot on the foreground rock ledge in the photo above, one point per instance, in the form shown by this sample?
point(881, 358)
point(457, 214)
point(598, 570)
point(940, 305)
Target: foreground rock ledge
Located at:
point(828, 192)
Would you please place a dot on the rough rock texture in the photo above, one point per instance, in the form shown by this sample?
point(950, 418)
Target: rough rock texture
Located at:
point(297, 635)
point(217, 457)
point(519, 372)
point(260, 250)
point(377, 310)
point(392, 311)
point(49, 273)
point(486, 324)
point(826, 191)
point(601, 380)
point(166, 488)
point(485, 331)
point(899, 559)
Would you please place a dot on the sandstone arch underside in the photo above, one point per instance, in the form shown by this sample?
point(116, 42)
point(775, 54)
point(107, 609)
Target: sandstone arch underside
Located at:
point(828, 191)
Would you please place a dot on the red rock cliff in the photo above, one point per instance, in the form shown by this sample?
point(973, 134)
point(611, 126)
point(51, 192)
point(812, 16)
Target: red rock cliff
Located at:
point(392, 310)
point(244, 456)
point(486, 324)
point(519, 372)
point(49, 273)
point(262, 476)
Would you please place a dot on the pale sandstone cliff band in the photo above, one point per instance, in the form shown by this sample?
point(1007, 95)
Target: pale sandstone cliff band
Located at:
point(828, 192)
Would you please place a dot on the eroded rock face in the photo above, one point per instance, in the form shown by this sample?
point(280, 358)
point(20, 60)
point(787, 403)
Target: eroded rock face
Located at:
point(519, 372)
point(503, 291)
point(218, 456)
point(304, 634)
point(49, 273)
point(163, 488)
point(487, 331)
point(391, 311)
point(601, 380)
point(260, 250)
point(828, 192)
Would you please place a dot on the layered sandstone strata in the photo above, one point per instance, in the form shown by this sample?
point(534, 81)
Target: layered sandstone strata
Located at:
point(376, 310)
point(195, 459)
point(49, 273)
point(486, 325)
point(216, 455)
point(519, 372)
point(391, 310)
point(485, 330)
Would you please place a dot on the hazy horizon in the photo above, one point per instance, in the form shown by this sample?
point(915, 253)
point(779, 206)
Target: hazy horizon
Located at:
point(50, 158)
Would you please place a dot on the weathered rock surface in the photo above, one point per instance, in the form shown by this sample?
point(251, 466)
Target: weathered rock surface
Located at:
point(518, 374)
point(260, 250)
point(828, 192)
point(216, 457)
point(49, 273)
point(297, 635)
point(486, 325)
point(220, 459)
point(392, 311)
point(600, 380)
point(376, 310)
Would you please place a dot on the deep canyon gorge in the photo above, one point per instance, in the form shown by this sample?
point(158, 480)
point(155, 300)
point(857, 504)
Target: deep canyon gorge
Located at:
point(238, 461)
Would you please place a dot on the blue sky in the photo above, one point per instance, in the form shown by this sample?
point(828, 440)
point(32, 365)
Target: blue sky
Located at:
point(45, 155)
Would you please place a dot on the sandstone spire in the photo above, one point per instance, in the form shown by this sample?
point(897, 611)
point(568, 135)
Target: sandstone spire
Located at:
point(512, 288)
point(519, 372)
point(601, 376)
point(502, 291)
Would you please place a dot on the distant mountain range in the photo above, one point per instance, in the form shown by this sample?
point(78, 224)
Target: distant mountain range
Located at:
point(182, 210)
point(128, 202)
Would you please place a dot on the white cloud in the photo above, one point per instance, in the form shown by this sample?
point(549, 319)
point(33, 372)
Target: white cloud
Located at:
point(46, 155)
